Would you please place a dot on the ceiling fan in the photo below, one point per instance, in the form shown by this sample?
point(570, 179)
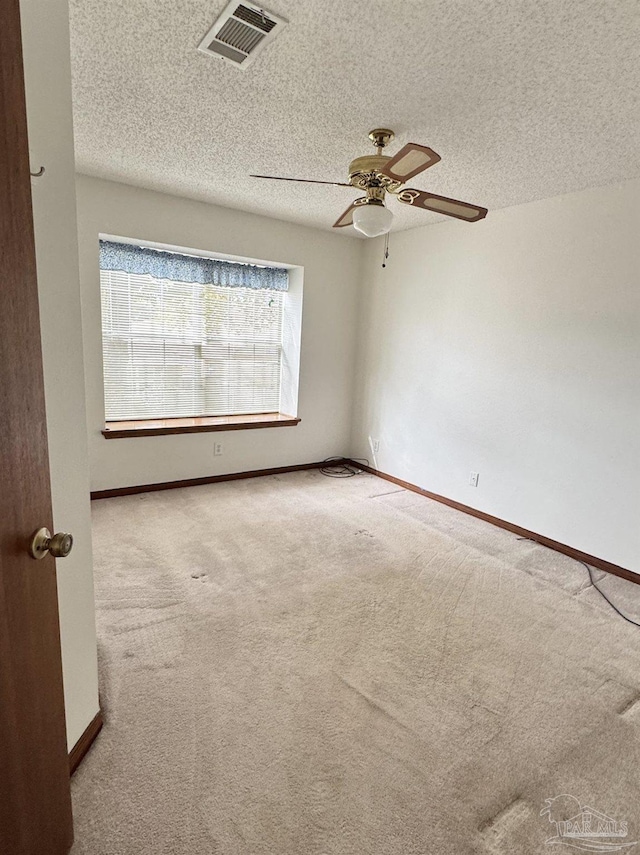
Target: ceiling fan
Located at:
point(378, 174)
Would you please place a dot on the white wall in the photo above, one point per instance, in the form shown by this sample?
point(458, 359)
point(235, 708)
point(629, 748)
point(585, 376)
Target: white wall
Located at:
point(331, 268)
point(48, 85)
point(512, 347)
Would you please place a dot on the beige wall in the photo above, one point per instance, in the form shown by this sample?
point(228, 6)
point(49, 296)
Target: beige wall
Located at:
point(48, 84)
point(511, 347)
point(331, 266)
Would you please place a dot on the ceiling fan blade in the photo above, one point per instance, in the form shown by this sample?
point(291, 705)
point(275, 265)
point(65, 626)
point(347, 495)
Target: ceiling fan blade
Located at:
point(409, 161)
point(303, 180)
point(442, 205)
point(346, 218)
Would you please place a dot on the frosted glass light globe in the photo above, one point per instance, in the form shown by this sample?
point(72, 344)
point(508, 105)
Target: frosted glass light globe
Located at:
point(372, 220)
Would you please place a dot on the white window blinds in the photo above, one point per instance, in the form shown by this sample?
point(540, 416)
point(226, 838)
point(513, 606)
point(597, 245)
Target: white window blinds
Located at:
point(181, 349)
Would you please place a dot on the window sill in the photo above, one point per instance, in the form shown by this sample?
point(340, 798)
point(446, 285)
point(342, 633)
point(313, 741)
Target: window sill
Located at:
point(161, 427)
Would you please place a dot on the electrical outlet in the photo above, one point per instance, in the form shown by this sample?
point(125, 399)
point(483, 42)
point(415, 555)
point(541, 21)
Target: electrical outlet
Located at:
point(473, 478)
point(375, 445)
point(217, 448)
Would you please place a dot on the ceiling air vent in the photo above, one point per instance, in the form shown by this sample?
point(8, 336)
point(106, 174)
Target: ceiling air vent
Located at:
point(241, 32)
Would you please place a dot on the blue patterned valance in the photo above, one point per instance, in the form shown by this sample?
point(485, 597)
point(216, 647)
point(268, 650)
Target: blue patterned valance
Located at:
point(143, 260)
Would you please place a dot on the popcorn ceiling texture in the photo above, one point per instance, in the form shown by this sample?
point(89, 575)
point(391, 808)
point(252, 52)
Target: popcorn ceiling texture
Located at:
point(523, 99)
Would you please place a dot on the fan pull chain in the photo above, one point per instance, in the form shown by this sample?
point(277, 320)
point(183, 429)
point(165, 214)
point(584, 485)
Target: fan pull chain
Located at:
point(386, 250)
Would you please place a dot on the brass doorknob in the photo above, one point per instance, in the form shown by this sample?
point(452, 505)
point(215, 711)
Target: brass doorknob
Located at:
point(42, 542)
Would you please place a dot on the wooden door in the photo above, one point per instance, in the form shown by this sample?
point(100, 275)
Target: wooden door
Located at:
point(35, 803)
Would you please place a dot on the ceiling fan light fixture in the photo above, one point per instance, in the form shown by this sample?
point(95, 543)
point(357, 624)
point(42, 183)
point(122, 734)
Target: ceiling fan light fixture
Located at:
point(378, 175)
point(372, 219)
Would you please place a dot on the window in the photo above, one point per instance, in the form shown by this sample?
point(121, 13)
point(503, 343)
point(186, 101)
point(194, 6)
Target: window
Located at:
point(188, 336)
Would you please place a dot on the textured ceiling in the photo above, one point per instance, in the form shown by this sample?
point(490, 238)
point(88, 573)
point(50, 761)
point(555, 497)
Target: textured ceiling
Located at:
point(523, 99)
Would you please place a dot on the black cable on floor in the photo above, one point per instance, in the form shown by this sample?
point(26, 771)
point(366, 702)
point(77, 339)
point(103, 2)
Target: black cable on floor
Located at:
point(604, 596)
point(338, 467)
point(593, 585)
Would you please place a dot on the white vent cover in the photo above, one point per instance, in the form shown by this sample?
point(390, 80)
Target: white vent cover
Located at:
point(241, 32)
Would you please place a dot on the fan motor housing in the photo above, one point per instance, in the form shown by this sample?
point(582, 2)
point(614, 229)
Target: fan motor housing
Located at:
point(366, 169)
point(368, 163)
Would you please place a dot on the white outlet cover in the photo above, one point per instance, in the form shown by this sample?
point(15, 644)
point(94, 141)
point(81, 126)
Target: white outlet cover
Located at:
point(473, 478)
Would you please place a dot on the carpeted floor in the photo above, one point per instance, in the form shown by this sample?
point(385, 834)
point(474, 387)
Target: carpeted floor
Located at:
point(297, 664)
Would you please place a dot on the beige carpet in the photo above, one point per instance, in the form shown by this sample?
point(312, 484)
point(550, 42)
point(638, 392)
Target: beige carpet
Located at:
point(296, 664)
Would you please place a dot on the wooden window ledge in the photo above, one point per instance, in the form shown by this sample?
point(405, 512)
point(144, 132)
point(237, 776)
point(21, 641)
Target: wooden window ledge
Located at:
point(161, 427)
